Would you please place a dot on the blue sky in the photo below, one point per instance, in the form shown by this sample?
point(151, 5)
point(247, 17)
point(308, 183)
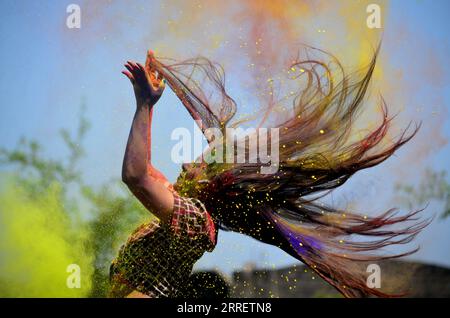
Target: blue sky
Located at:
point(47, 70)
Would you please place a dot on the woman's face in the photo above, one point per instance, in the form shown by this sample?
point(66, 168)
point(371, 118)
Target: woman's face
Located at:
point(192, 170)
point(186, 166)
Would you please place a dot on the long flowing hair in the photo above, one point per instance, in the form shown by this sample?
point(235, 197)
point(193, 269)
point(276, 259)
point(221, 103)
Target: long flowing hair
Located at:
point(318, 152)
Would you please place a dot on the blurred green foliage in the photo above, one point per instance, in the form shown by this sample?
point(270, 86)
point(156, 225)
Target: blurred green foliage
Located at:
point(433, 187)
point(103, 216)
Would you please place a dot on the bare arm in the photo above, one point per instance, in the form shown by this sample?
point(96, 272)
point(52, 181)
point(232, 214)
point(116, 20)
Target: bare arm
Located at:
point(148, 184)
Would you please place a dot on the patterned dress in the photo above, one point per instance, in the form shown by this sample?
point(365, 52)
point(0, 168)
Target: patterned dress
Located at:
point(157, 259)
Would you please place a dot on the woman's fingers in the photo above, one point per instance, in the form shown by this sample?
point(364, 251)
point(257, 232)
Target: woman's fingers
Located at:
point(129, 67)
point(139, 65)
point(155, 76)
point(136, 69)
point(137, 73)
point(150, 68)
point(160, 76)
point(133, 64)
point(149, 60)
point(161, 86)
point(129, 75)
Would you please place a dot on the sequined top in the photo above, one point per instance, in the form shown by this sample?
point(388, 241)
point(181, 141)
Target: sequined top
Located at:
point(157, 259)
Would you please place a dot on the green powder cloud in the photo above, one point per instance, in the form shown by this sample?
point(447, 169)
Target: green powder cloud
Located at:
point(38, 241)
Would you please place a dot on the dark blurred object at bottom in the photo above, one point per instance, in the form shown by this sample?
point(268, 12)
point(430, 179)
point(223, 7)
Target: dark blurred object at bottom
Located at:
point(207, 285)
point(413, 278)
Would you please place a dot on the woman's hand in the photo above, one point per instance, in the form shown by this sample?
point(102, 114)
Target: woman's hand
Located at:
point(148, 85)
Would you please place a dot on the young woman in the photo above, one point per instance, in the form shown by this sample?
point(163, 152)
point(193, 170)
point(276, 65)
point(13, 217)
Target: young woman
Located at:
point(158, 258)
point(317, 153)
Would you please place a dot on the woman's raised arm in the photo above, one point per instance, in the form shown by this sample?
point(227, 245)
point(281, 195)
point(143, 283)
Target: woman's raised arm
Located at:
point(148, 184)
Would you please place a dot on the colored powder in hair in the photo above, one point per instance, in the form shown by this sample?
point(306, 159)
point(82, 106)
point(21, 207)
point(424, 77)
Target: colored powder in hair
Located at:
point(300, 242)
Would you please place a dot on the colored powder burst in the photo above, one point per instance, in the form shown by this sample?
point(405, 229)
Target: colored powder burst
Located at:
point(37, 245)
point(256, 39)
